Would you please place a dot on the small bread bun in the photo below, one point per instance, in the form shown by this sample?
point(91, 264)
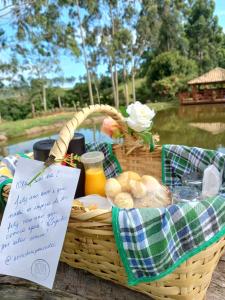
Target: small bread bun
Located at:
point(123, 180)
point(138, 189)
point(150, 182)
point(134, 175)
point(112, 188)
point(163, 195)
point(124, 200)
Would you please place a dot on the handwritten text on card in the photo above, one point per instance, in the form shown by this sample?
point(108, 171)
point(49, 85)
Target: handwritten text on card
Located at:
point(35, 221)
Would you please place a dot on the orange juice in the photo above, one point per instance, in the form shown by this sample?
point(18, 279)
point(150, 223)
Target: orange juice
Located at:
point(95, 181)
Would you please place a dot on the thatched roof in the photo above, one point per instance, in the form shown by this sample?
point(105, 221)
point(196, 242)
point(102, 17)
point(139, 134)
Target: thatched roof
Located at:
point(213, 76)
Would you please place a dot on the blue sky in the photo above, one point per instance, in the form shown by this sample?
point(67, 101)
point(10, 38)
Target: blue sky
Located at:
point(73, 67)
point(220, 12)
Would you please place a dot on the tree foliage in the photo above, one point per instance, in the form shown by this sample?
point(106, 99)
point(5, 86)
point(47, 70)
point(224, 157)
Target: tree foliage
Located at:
point(206, 38)
point(168, 72)
point(166, 41)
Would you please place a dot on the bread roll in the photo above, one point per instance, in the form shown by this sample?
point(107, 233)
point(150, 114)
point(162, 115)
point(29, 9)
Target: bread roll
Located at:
point(124, 200)
point(150, 182)
point(133, 175)
point(138, 189)
point(112, 188)
point(123, 179)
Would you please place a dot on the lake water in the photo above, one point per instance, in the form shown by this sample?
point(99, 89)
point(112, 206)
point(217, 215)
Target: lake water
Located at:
point(202, 126)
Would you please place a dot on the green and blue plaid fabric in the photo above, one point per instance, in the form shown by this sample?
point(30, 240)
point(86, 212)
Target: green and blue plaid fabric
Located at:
point(110, 164)
point(179, 160)
point(152, 242)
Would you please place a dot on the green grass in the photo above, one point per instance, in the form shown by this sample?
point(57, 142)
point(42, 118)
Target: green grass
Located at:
point(14, 129)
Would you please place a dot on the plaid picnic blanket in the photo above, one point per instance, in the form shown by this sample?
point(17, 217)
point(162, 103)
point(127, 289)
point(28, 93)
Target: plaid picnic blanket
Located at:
point(8, 164)
point(152, 242)
point(179, 160)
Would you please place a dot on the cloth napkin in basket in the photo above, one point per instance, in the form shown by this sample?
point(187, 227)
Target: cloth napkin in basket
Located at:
point(178, 160)
point(152, 242)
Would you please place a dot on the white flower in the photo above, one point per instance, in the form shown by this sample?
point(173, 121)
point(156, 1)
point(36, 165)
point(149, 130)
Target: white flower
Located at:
point(140, 116)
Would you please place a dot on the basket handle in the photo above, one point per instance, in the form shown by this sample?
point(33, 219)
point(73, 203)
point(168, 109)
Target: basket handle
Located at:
point(60, 147)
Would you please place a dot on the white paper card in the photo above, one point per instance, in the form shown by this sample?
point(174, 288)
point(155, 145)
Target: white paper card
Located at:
point(35, 221)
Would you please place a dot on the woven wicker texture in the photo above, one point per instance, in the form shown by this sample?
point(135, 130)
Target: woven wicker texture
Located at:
point(89, 243)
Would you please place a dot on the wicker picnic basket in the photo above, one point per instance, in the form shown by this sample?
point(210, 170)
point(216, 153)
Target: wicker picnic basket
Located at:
point(89, 243)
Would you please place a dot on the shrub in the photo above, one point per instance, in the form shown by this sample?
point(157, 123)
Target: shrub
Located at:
point(13, 110)
point(168, 74)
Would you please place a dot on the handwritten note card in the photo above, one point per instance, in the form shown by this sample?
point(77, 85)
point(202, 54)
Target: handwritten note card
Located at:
point(35, 221)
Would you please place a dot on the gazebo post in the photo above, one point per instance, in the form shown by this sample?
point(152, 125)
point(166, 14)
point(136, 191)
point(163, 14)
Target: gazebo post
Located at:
point(193, 91)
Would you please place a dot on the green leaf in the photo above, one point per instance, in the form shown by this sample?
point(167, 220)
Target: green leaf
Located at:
point(123, 111)
point(146, 137)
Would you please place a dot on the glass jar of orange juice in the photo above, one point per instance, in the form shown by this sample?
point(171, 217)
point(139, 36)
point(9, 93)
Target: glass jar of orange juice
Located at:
point(95, 179)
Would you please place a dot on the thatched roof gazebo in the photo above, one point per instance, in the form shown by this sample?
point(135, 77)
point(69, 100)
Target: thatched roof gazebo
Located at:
point(207, 88)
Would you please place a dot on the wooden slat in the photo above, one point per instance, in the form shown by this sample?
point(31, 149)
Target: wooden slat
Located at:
point(79, 285)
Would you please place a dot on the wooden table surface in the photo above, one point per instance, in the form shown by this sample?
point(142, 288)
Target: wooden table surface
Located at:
point(79, 285)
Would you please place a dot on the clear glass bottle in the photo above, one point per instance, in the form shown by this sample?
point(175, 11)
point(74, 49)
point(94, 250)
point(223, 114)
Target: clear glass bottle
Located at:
point(95, 179)
point(184, 194)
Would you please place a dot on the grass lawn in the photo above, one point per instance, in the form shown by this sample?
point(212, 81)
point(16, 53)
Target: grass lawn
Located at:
point(13, 129)
point(17, 128)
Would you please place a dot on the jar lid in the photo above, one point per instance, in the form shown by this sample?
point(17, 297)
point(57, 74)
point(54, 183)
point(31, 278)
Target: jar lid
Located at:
point(44, 145)
point(77, 144)
point(92, 157)
point(42, 149)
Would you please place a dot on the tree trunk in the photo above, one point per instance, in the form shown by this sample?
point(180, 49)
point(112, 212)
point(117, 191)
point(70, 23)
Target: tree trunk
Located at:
point(59, 102)
point(125, 83)
point(74, 105)
point(116, 87)
point(133, 86)
point(113, 83)
point(33, 110)
point(97, 92)
point(85, 56)
point(44, 98)
point(115, 74)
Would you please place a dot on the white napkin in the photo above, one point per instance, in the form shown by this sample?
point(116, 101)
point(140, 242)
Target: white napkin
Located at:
point(212, 181)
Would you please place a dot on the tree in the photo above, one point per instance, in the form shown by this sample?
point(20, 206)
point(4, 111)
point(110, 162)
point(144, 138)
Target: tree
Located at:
point(169, 72)
point(171, 32)
point(204, 34)
point(38, 67)
point(221, 54)
point(84, 53)
point(147, 25)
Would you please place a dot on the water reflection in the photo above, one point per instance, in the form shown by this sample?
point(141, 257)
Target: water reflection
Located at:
point(175, 126)
point(27, 145)
point(214, 128)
